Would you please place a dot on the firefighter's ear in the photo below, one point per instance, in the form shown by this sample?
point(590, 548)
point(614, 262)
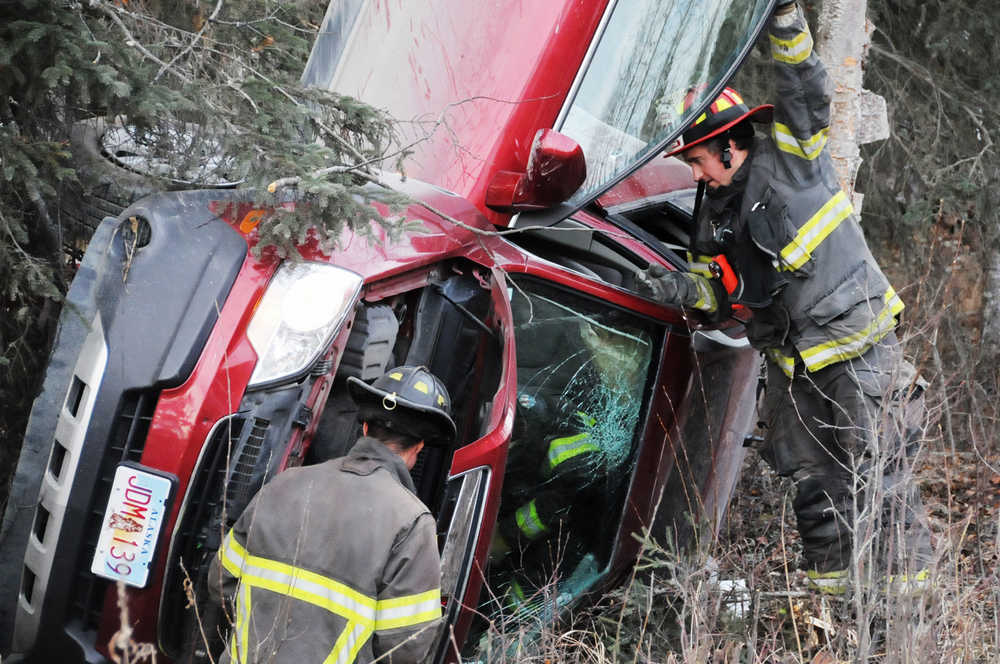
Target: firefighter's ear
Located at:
point(410, 455)
point(364, 428)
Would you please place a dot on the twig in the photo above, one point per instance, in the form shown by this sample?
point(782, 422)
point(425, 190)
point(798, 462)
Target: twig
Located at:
point(187, 49)
point(784, 564)
point(193, 604)
point(132, 41)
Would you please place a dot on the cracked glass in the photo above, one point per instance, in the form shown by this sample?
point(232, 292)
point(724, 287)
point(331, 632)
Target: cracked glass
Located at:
point(583, 369)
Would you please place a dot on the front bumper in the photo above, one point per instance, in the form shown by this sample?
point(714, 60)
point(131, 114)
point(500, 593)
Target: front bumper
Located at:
point(135, 322)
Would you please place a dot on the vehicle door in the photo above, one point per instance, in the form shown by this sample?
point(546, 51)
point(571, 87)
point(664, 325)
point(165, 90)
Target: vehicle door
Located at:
point(553, 500)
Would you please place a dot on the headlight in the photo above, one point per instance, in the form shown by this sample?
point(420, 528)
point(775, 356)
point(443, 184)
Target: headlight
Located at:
point(304, 307)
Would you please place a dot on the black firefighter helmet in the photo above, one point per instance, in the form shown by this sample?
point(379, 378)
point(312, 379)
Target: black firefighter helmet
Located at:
point(409, 400)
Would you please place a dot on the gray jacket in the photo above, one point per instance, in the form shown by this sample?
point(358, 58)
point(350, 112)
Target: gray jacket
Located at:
point(817, 294)
point(335, 562)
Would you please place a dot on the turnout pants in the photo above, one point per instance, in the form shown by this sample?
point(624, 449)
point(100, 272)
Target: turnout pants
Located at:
point(845, 435)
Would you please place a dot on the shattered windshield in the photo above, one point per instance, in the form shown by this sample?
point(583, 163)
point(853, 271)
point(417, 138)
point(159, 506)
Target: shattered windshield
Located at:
point(650, 54)
point(582, 372)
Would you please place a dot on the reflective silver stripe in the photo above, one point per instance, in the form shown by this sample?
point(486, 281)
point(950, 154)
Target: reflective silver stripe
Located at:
point(700, 265)
point(819, 226)
point(794, 50)
point(409, 610)
point(563, 449)
point(784, 362)
point(706, 296)
point(808, 149)
point(297, 582)
point(854, 345)
point(363, 613)
point(528, 520)
point(351, 640)
point(231, 557)
point(241, 632)
point(257, 572)
point(309, 591)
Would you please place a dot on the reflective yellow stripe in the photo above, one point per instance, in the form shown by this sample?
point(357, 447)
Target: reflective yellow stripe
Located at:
point(408, 610)
point(528, 521)
point(854, 345)
point(794, 50)
point(240, 641)
point(700, 264)
point(232, 555)
point(893, 301)
point(363, 613)
point(563, 449)
point(819, 226)
point(345, 649)
point(784, 362)
point(294, 585)
point(706, 296)
point(518, 590)
point(808, 149)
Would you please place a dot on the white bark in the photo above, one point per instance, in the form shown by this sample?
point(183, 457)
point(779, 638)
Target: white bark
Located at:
point(857, 115)
point(991, 309)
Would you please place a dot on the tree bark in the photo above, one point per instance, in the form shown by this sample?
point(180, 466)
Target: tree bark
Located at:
point(857, 115)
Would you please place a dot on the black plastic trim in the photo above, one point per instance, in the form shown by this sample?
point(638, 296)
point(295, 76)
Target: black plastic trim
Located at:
point(157, 310)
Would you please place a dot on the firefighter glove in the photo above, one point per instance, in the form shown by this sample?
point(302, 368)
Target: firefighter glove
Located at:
point(685, 290)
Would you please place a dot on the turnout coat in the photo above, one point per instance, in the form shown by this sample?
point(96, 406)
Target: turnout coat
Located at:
point(336, 562)
point(823, 313)
point(817, 294)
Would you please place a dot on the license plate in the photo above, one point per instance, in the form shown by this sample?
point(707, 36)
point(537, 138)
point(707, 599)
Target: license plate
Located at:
point(137, 510)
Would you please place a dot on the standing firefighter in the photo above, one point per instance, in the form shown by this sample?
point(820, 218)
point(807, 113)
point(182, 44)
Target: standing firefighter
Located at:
point(778, 229)
point(339, 562)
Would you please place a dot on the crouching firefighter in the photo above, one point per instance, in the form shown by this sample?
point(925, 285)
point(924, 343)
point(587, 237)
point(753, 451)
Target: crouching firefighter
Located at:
point(842, 405)
point(338, 562)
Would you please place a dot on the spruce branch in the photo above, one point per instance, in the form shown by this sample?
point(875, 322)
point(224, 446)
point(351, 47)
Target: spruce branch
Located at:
point(191, 43)
point(130, 40)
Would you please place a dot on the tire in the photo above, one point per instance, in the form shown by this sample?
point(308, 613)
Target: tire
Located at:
point(104, 189)
point(107, 186)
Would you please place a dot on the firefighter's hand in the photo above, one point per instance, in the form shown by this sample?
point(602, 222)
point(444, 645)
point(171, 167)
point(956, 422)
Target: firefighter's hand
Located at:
point(685, 290)
point(664, 286)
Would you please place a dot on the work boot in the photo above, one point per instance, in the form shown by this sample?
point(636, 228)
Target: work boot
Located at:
point(909, 584)
point(827, 583)
point(837, 582)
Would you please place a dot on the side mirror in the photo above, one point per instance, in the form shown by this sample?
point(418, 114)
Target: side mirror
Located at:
point(556, 168)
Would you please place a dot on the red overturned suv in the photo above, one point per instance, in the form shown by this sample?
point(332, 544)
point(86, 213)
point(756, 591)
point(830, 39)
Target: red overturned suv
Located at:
point(173, 395)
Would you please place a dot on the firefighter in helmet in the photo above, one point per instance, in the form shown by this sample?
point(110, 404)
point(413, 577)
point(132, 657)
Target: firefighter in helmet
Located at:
point(339, 561)
point(775, 223)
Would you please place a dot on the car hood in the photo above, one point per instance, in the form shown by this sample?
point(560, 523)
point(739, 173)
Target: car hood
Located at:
point(470, 82)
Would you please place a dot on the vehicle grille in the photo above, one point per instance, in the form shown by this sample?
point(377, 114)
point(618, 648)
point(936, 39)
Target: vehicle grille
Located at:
point(241, 485)
point(126, 442)
point(200, 529)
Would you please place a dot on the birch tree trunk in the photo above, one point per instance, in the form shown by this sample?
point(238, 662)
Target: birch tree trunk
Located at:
point(857, 115)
